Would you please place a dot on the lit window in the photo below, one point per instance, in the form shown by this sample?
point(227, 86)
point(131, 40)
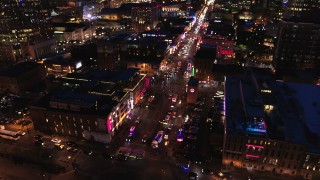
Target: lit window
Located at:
point(47, 120)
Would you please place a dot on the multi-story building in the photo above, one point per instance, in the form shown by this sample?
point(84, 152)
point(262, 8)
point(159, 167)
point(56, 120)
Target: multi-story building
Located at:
point(271, 126)
point(90, 105)
point(73, 32)
point(203, 63)
point(112, 50)
point(174, 10)
point(295, 8)
point(21, 77)
point(20, 22)
point(125, 49)
point(145, 16)
point(298, 45)
point(62, 67)
point(39, 47)
point(146, 54)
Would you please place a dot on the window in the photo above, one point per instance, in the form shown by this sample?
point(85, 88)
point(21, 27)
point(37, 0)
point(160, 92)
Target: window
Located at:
point(47, 120)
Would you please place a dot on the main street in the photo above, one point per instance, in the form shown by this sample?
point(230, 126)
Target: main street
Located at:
point(158, 163)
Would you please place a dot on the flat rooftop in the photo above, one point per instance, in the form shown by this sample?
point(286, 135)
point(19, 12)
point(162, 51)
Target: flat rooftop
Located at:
point(18, 69)
point(106, 76)
point(304, 114)
point(295, 117)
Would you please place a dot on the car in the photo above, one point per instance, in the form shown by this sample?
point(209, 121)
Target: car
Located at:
point(59, 146)
point(180, 138)
point(46, 155)
point(166, 136)
point(38, 142)
point(193, 175)
point(72, 149)
point(108, 155)
point(21, 133)
point(144, 138)
point(207, 171)
point(38, 136)
point(129, 138)
point(55, 140)
point(174, 114)
point(71, 144)
point(192, 137)
point(88, 152)
point(122, 157)
point(132, 128)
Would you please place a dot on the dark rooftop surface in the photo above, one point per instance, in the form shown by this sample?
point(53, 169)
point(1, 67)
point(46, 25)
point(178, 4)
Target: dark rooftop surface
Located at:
point(294, 117)
point(206, 53)
point(306, 17)
point(106, 76)
point(18, 70)
point(121, 36)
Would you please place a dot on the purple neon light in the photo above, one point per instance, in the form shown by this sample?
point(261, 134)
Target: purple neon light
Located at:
point(252, 156)
point(252, 145)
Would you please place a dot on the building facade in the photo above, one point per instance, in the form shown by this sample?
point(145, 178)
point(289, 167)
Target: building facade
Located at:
point(297, 46)
point(89, 105)
point(145, 16)
point(21, 77)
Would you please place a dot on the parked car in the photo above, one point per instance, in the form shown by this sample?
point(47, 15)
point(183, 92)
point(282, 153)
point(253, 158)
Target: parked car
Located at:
point(108, 156)
point(87, 152)
point(39, 142)
point(38, 136)
point(144, 138)
point(55, 140)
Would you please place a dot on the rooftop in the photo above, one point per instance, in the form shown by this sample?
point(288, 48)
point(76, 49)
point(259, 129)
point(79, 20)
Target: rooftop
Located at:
point(295, 109)
point(18, 69)
point(304, 103)
point(121, 36)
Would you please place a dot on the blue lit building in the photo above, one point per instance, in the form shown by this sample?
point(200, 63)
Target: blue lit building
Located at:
point(271, 126)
